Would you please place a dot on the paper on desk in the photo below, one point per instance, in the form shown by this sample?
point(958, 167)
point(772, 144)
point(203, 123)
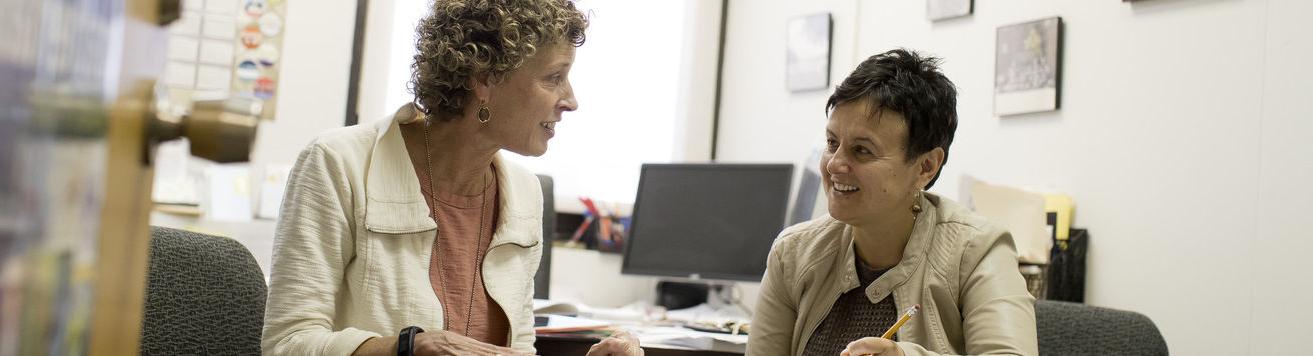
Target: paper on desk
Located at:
point(272, 187)
point(228, 193)
point(544, 306)
point(565, 324)
point(1020, 212)
point(687, 338)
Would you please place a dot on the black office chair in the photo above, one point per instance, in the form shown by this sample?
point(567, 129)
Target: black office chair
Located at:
point(204, 296)
point(542, 280)
point(1078, 329)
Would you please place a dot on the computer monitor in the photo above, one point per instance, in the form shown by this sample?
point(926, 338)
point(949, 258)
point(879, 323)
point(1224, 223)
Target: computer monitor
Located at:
point(706, 221)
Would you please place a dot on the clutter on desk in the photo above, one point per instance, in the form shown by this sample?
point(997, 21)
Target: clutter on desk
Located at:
point(1066, 269)
point(273, 184)
point(227, 194)
point(598, 228)
point(1050, 250)
point(702, 327)
point(1021, 213)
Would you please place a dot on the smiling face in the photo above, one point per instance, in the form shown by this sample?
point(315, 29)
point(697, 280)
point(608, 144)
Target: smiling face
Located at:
point(526, 106)
point(868, 179)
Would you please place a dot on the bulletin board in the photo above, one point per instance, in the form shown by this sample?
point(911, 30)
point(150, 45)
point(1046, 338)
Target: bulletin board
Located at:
point(226, 48)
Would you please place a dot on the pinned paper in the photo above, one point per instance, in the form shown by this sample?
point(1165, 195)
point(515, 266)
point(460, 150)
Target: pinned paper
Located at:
point(217, 52)
point(180, 75)
point(225, 7)
point(213, 77)
point(189, 24)
point(183, 48)
point(219, 27)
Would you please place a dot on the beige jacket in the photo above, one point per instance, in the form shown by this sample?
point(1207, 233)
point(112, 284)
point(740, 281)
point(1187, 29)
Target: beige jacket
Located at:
point(959, 267)
point(352, 247)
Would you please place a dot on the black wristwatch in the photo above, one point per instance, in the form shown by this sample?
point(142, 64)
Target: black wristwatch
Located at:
point(406, 341)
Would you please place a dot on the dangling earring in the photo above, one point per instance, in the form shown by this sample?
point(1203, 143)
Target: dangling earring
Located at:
point(916, 206)
point(485, 114)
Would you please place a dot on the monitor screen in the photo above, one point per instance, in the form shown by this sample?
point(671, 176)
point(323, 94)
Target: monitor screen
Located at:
point(707, 221)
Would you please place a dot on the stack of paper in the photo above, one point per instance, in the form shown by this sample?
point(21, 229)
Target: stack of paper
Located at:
point(565, 324)
point(1020, 212)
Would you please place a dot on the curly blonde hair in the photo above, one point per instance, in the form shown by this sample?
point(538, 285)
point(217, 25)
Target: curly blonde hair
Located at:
point(462, 38)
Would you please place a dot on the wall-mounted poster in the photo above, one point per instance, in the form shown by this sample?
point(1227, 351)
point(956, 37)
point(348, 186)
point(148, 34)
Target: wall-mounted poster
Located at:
point(807, 63)
point(220, 49)
point(947, 9)
point(260, 30)
point(1027, 67)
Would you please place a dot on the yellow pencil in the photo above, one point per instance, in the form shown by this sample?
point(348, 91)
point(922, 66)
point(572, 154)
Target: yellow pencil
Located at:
point(903, 320)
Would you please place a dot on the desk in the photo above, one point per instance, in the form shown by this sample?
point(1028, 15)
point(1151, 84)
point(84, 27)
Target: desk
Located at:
point(573, 345)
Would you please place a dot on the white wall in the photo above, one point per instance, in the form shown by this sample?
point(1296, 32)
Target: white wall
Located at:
point(760, 120)
point(1281, 287)
point(1179, 139)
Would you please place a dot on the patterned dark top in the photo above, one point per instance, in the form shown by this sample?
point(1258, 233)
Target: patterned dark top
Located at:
point(853, 316)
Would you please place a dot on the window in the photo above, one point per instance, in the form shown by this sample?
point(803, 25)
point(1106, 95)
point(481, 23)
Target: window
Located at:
point(627, 78)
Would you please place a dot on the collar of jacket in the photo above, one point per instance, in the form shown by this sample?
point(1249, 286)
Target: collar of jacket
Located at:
point(395, 205)
point(914, 255)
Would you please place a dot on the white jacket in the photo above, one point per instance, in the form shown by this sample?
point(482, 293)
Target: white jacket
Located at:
point(354, 238)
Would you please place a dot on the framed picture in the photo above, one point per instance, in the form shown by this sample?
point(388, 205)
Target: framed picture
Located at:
point(1028, 67)
point(946, 9)
point(807, 61)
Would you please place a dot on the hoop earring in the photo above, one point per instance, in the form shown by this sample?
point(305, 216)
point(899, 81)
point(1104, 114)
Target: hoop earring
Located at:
point(485, 114)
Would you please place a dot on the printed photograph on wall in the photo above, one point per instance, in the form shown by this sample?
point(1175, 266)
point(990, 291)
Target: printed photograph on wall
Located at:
point(807, 62)
point(1027, 67)
point(946, 9)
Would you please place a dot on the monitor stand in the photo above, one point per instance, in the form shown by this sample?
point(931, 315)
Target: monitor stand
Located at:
point(681, 295)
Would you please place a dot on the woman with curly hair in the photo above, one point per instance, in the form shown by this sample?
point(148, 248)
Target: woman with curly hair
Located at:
point(411, 235)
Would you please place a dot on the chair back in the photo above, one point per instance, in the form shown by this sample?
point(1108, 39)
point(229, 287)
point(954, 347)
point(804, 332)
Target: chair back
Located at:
point(204, 295)
point(1077, 329)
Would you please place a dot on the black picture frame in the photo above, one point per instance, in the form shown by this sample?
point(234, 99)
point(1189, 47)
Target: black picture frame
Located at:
point(1028, 67)
point(947, 9)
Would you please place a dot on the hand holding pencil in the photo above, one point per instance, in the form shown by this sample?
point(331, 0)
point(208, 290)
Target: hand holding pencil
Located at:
point(883, 345)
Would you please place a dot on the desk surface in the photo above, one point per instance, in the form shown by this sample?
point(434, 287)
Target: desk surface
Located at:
point(575, 345)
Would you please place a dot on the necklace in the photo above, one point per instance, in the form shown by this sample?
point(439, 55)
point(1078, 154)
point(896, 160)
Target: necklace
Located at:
point(483, 207)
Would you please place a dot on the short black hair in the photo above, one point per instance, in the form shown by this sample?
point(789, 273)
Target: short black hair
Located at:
point(912, 85)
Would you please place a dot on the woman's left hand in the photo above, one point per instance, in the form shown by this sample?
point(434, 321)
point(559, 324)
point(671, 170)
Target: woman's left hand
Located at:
point(875, 346)
point(621, 343)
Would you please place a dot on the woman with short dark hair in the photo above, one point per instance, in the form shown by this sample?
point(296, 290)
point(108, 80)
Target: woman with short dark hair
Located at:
point(833, 285)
